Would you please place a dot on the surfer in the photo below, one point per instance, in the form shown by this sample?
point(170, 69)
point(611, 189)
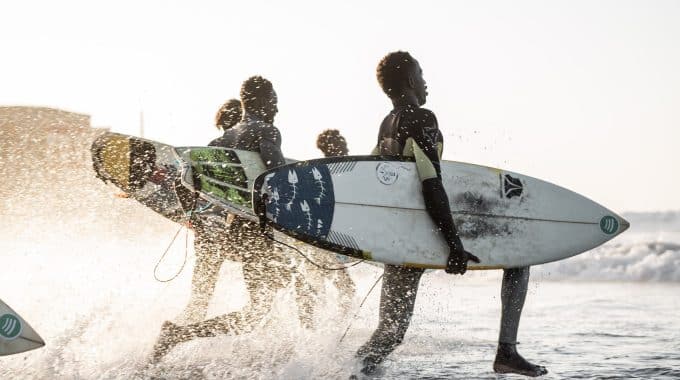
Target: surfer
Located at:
point(409, 130)
point(265, 269)
point(209, 244)
point(333, 144)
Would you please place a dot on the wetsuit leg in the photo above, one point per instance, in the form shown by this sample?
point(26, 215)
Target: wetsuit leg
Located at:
point(209, 260)
point(306, 297)
point(397, 299)
point(346, 289)
point(264, 271)
point(513, 294)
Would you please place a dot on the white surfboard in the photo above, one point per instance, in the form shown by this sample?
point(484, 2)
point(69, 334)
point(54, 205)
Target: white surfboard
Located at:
point(16, 335)
point(372, 207)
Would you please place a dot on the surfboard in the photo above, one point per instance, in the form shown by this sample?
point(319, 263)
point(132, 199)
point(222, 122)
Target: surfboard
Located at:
point(16, 335)
point(144, 170)
point(371, 207)
point(177, 181)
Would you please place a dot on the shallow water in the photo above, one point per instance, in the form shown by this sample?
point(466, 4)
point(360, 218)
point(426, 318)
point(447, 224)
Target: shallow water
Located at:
point(88, 289)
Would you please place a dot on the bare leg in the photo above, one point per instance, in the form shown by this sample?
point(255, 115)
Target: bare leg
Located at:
point(513, 295)
point(397, 299)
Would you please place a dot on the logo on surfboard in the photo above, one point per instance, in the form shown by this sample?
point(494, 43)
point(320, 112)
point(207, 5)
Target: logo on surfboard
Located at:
point(10, 326)
point(609, 224)
point(512, 187)
point(387, 173)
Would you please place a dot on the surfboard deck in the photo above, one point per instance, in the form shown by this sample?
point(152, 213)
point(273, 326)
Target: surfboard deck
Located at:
point(177, 181)
point(16, 335)
point(371, 207)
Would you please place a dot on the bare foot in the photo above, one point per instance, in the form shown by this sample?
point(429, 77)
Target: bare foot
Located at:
point(508, 360)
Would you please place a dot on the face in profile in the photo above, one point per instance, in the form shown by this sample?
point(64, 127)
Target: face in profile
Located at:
point(417, 82)
point(270, 108)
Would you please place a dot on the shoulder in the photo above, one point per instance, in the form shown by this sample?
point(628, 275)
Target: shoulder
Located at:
point(216, 142)
point(268, 128)
point(419, 115)
point(414, 121)
point(270, 132)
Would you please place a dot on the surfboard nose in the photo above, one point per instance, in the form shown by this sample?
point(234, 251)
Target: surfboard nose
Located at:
point(624, 225)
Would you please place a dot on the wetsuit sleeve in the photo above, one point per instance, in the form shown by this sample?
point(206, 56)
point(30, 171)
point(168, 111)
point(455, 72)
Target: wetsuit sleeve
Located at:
point(426, 142)
point(270, 148)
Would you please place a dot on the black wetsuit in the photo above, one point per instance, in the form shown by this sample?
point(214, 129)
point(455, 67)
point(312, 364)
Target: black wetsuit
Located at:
point(404, 131)
point(413, 131)
point(254, 135)
point(265, 269)
point(212, 244)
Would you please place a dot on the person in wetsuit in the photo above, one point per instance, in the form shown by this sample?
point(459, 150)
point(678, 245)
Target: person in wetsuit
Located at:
point(265, 269)
point(409, 130)
point(332, 144)
point(209, 241)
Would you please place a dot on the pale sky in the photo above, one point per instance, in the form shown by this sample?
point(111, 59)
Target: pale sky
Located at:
point(584, 94)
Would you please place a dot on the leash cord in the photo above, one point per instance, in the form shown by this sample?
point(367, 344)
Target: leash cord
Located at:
point(320, 266)
point(186, 249)
point(360, 306)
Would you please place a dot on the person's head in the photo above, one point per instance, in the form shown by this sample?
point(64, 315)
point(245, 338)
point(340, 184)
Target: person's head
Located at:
point(401, 77)
point(228, 115)
point(259, 98)
point(331, 143)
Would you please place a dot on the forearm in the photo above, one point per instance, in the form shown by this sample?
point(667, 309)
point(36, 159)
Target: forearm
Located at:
point(437, 206)
point(271, 154)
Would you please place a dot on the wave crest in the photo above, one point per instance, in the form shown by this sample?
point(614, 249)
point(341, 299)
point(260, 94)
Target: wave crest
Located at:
point(653, 261)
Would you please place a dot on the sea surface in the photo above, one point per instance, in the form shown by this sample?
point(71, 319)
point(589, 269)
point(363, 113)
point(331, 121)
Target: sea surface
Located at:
point(85, 282)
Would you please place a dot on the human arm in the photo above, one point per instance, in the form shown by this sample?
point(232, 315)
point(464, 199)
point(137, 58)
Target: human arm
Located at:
point(270, 148)
point(426, 145)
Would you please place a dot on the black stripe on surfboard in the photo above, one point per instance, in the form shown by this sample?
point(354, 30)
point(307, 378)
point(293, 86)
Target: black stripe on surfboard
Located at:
point(474, 214)
point(32, 341)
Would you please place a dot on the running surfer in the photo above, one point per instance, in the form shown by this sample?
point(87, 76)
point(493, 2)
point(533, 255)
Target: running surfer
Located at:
point(409, 130)
point(209, 242)
point(333, 144)
point(265, 269)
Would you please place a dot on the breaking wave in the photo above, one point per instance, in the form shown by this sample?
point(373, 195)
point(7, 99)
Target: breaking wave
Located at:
point(656, 261)
point(649, 251)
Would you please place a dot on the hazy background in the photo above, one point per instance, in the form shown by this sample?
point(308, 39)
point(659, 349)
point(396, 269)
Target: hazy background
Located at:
point(585, 94)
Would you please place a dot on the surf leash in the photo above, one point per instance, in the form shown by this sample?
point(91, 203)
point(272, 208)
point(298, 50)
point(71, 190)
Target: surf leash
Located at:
point(172, 242)
point(360, 306)
point(270, 236)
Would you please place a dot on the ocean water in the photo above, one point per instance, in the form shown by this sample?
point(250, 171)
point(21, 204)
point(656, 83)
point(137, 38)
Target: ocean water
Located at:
point(85, 283)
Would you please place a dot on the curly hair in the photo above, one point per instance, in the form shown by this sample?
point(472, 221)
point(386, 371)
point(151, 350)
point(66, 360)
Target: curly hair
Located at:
point(228, 115)
point(331, 143)
point(393, 71)
point(254, 90)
